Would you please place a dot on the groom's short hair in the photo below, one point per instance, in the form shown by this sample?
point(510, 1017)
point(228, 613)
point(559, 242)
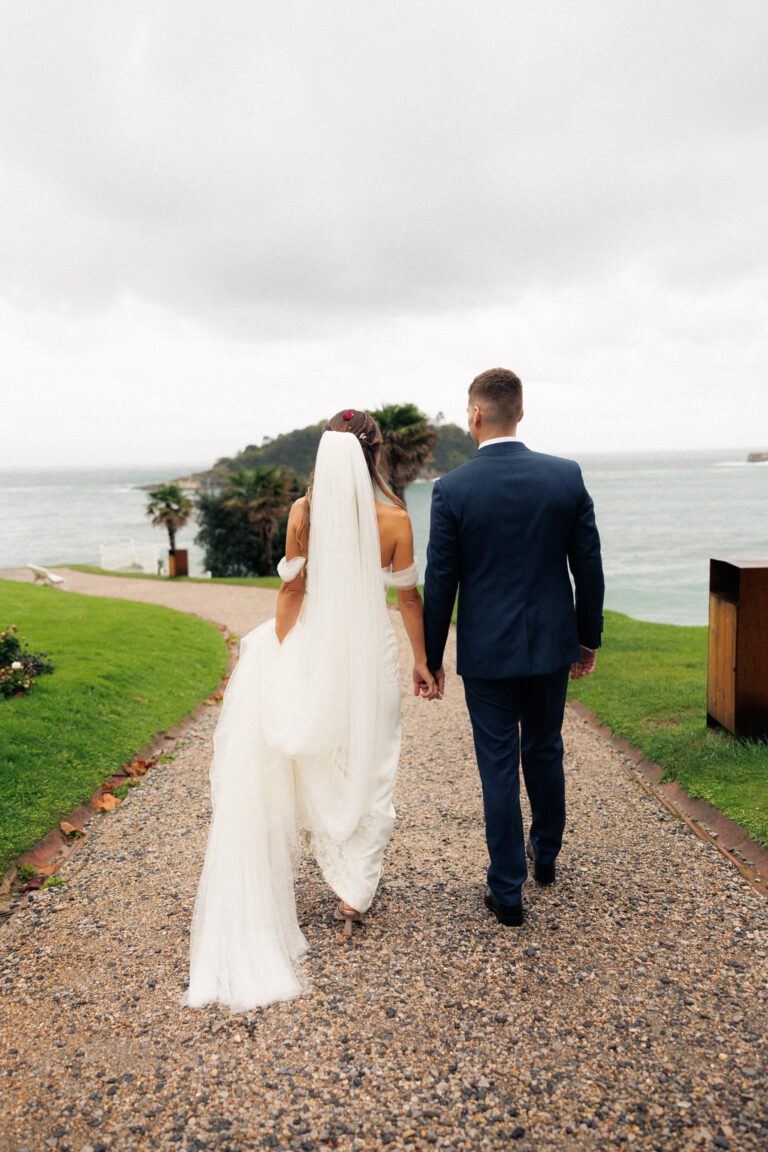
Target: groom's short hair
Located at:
point(501, 394)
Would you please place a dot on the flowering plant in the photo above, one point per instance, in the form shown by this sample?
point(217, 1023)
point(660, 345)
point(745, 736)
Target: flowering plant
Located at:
point(18, 669)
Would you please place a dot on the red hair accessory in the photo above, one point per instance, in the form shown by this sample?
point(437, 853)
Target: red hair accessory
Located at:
point(348, 414)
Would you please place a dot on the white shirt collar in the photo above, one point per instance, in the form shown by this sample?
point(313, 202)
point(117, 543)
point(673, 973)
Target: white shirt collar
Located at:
point(498, 440)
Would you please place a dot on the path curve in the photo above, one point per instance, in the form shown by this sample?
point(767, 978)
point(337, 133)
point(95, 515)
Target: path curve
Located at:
point(630, 1011)
point(238, 606)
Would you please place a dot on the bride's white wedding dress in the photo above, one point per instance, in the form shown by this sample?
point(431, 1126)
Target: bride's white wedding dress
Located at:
point(306, 749)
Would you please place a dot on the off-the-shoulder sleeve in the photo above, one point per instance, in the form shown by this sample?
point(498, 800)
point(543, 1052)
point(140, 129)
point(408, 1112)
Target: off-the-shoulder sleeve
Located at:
point(405, 578)
point(288, 570)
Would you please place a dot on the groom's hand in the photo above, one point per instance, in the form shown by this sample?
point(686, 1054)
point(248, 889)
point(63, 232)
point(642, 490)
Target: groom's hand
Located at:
point(585, 665)
point(440, 681)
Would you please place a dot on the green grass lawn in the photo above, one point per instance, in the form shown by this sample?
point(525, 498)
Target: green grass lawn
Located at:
point(123, 672)
point(650, 687)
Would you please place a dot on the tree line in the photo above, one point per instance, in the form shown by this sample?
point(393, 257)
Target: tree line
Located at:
point(242, 508)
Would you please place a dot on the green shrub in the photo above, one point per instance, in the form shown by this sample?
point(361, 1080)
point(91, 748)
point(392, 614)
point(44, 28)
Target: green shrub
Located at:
point(19, 669)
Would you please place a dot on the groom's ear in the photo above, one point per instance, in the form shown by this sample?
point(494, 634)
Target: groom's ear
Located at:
point(522, 413)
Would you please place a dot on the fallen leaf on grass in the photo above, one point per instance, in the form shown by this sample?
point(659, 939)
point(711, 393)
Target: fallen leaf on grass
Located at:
point(141, 699)
point(215, 699)
point(138, 767)
point(70, 829)
point(107, 802)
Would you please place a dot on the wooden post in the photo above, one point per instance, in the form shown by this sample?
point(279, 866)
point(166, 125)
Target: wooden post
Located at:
point(178, 562)
point(737, 665)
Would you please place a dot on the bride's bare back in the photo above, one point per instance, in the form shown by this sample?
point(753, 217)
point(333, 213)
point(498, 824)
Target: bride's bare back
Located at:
point(395, 535)
point(396, 540)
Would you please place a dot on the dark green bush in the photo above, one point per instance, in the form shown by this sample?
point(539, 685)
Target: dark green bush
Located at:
point(19, 669)
point(232, 544)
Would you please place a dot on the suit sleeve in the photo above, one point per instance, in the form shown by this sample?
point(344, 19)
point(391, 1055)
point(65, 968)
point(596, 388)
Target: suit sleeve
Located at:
point(442, 576)
point(586, 566)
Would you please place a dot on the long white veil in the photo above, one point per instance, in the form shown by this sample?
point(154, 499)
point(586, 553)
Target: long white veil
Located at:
point(292, 747)
point(322, 702)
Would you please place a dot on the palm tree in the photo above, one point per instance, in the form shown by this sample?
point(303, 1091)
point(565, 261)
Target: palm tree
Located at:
point(169, 509)
point(407, 443)
point(264, 494)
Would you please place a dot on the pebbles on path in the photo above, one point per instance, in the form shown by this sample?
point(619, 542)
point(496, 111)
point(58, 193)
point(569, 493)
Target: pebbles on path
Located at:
point(629, 1011)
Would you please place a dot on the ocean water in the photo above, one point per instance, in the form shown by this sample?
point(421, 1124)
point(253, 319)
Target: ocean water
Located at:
point(62, 516)
point(661, 517)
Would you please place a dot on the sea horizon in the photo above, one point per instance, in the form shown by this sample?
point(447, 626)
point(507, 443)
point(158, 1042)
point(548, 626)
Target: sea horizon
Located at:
point(186, 469)
point(661, 514)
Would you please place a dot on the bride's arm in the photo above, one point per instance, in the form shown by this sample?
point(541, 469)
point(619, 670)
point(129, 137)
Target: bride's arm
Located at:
point(409, 603)
point(291, 594)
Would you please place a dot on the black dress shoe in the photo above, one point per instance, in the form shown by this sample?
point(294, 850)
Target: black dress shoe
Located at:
point(542, 873)
point(510, 915)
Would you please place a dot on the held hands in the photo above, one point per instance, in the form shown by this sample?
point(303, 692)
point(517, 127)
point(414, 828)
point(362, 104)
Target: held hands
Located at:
point(585, 665)
point(425, 684)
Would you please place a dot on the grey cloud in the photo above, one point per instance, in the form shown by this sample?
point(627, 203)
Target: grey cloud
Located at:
point(294, 163)
point(219, 223)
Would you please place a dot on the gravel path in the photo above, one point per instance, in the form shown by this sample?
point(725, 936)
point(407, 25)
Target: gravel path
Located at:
point(628, 1012)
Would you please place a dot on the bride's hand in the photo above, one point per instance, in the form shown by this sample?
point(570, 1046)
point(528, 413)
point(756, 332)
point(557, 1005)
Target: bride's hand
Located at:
point(424, 683)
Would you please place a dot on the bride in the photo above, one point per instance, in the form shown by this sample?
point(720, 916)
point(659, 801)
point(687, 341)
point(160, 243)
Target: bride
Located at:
point(308, 740)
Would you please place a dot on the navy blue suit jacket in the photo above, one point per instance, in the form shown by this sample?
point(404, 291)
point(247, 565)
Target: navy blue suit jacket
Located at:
point(505, 528)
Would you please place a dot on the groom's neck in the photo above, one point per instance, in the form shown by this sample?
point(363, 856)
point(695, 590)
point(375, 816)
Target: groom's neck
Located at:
point(494, 434)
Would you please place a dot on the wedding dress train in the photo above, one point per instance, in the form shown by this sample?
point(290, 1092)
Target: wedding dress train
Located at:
point(305, 750)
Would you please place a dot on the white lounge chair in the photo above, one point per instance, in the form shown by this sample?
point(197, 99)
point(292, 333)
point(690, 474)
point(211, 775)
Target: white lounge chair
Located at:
point(43, 576)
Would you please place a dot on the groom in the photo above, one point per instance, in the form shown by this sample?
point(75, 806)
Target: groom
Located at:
point(505, 528)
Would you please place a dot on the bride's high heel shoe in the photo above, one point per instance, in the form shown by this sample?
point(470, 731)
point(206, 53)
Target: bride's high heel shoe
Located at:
point(349, 915)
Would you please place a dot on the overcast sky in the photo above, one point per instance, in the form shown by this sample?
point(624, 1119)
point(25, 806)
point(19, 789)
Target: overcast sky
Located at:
point(221, 222)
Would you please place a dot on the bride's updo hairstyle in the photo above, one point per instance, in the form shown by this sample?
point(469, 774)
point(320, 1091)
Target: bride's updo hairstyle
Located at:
point(364, 427)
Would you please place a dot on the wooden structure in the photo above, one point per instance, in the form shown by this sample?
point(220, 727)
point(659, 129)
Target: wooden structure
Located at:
point(737, 671)
point(178, 562)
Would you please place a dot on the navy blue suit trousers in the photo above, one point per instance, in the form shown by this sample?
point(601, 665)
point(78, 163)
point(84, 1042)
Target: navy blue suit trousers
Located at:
point(519, 721)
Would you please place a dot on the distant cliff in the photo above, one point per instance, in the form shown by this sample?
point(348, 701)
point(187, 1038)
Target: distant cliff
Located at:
point(454, 446)
point(298, 449)
point(757, 457)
